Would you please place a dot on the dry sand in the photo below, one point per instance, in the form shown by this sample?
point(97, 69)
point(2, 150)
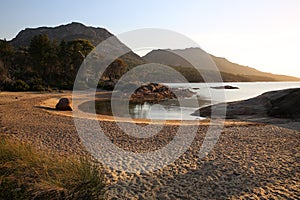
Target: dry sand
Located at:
point(250, 160)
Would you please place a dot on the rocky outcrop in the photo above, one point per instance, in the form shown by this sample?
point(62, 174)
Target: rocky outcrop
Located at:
point(155, 92)
point(226, 87)
point(282, 104)
point(286, 106)
point(64, 104)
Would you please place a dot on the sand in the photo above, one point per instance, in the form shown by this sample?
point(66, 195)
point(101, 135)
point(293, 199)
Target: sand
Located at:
point(249, 161)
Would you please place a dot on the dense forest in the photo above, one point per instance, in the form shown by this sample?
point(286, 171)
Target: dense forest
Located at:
point(47, 64)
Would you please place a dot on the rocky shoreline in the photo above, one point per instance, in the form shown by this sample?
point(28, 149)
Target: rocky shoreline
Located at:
point(279, 104)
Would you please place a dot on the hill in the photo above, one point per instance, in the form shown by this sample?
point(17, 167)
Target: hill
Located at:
point(50, 57)
point(70, 32)
point(66, 32)
point(226, 66)
point(229, 71)
point(74, 31)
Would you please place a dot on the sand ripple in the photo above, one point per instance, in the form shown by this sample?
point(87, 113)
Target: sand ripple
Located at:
point(254, 161)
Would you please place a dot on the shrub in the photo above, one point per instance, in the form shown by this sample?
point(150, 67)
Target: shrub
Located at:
point(100, 84)
point(26, 174)
point(36, 84)
point(18, 85)
point(7, 84)
point(21, 85)
point(106, 85)
point(68, 85)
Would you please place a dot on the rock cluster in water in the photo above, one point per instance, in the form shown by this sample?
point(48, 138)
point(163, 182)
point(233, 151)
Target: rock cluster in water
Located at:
point(155, 92)
point(226, 87)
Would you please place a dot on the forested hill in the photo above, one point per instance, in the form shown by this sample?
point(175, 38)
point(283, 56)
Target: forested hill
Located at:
point(71, 32)
point(229, 71)
point(44, 58)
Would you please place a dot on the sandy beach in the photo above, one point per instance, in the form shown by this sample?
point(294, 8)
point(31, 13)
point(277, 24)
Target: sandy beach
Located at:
point(250, 160)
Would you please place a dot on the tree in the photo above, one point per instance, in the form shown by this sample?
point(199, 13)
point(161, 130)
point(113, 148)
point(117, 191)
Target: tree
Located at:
point(71, 55)
point(115, 70)
point(43, 55)
point(6, 53)
point(43, 63)
point(3, 72)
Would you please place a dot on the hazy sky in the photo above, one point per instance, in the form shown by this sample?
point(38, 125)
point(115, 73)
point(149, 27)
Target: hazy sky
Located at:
point(264, 34)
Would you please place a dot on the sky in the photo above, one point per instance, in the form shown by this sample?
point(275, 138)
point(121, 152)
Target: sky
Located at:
point(264, 34)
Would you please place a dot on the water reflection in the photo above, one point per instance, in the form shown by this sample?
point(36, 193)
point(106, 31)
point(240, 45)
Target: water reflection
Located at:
point(169, 109)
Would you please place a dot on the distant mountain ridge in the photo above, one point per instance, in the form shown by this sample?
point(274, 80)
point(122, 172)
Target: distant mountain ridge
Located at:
point(66, 32)
point(231, 71)
point(226, 66)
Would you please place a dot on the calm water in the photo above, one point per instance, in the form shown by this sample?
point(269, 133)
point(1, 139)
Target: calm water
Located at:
point(205, 95)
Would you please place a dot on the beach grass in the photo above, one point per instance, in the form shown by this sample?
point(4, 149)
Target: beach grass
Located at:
point(26, 173)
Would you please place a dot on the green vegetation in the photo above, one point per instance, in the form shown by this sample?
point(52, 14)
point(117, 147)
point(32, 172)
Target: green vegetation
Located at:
point(28, 174)
point(115, 70)
point(48, 64)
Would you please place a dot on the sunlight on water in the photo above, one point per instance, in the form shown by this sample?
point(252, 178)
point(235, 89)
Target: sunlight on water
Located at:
point(171, 109)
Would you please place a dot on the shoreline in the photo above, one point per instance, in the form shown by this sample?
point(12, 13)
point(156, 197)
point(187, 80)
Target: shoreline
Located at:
point(250, 160)
point(50, 103)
